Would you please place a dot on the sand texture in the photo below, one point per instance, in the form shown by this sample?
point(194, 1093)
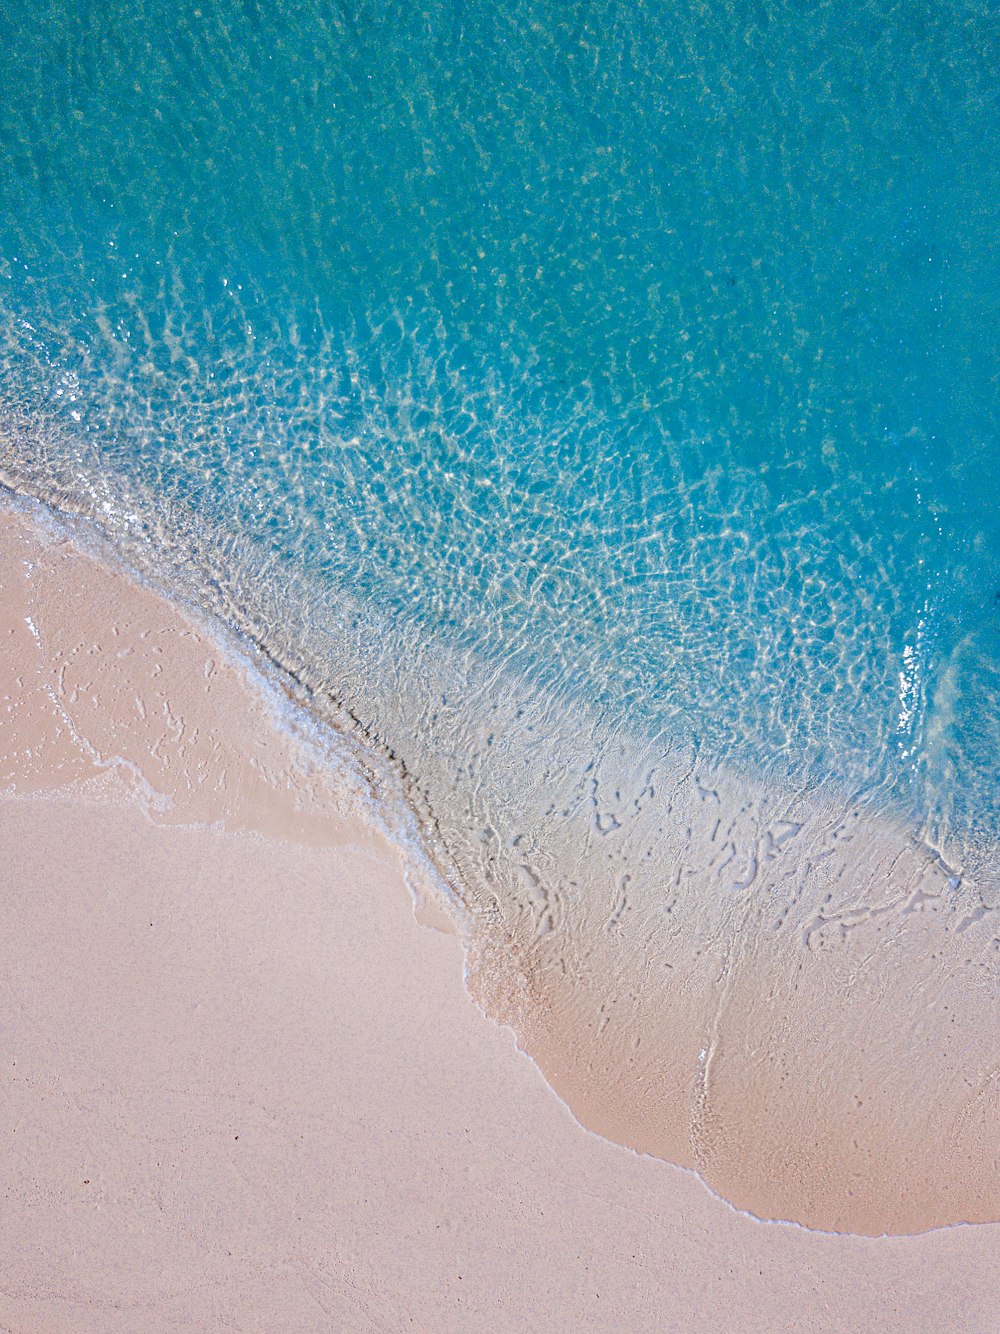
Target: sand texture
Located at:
point(245, 1089)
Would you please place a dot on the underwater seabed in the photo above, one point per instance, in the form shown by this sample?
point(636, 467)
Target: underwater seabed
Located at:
point(781, 986)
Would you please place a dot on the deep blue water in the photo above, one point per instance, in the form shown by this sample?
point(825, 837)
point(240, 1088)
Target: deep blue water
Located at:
point(646, 351)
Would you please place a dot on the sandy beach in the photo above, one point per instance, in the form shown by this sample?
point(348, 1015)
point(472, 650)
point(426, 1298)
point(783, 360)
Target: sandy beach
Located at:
point(244, 1086)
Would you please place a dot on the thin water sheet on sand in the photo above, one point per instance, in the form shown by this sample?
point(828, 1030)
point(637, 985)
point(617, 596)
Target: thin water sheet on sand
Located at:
point(789, 994)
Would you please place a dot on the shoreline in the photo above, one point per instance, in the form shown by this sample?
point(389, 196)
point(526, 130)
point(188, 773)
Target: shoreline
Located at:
point(518, 986)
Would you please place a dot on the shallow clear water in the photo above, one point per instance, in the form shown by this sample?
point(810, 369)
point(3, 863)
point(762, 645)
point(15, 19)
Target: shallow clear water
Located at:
point(629, 363)
point(650, 343)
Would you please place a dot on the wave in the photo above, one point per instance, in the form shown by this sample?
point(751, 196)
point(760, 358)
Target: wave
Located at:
point(789, 988)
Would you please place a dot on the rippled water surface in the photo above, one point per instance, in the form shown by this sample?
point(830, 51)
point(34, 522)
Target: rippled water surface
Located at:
point(577, 393)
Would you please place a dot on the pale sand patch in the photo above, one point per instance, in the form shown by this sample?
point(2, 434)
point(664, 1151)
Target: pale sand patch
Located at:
point(108, 688)
point(244, 1089)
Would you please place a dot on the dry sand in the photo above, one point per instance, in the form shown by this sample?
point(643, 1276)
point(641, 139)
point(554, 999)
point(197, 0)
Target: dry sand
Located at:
point(245, 1089)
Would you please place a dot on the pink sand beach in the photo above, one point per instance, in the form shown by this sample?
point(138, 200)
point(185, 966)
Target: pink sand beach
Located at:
point(244, 1087)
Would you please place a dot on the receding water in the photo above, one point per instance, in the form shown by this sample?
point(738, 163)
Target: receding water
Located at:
point(598, 401)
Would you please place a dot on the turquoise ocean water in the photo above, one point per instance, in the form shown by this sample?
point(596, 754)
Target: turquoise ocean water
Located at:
point(623, 371)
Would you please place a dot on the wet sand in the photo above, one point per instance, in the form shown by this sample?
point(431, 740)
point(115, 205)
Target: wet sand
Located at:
point(245, 1088)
